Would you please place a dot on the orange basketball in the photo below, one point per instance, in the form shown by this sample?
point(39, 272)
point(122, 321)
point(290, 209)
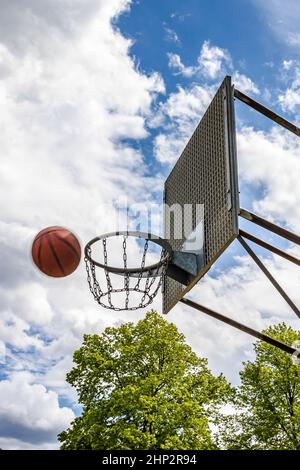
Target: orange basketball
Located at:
point(56, 251)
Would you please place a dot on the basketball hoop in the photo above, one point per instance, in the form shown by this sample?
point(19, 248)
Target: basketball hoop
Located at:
point(205, 175)
point(139, 285)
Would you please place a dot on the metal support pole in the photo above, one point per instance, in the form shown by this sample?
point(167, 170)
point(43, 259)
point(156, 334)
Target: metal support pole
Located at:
point(269, 247)
point(267, 112)
point(242, 327)
point(282, 232)
point(269, 275)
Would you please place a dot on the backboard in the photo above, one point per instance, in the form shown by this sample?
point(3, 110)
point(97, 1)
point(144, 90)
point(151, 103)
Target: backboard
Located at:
point(203, 188)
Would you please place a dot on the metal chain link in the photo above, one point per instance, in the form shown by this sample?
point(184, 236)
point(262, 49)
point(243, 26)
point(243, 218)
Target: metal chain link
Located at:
point(108, 281)
point(149, 290)
point(88, 271)
point(149, 283)
point(137, 286)
point(126, 276)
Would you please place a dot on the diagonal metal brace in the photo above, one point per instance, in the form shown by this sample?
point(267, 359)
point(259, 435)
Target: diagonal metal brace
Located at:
point(270, 247)
point(240, 326)
point(267, 112)
point(269, 275)
point(282, 232)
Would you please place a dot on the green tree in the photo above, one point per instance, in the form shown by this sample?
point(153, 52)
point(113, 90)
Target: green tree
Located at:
point(142, 387)
point(268, 401)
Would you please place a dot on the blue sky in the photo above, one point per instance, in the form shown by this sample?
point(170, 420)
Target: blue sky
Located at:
point(182, 27)
point(240, 30)
point(98, 99)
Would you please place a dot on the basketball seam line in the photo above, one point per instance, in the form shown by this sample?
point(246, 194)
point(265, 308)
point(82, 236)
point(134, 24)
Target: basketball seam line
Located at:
point(66, 242)
point(45, 233)
point(55, 255)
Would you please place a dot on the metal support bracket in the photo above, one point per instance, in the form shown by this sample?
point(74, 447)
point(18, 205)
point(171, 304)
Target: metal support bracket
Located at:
point(267, 112)
point(184, 266)
point(282, 232)
point(270, 247)
point(269, 276)
point(242, 327)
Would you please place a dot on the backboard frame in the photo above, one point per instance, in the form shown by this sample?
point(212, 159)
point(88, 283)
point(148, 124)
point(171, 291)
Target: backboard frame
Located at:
point(221, 113)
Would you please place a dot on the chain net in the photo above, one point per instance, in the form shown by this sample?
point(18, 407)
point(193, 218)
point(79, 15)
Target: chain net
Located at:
point(135, 290)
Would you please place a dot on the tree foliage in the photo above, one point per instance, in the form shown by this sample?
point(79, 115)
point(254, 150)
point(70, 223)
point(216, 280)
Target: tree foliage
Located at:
point(268, 400)
point(142, 387)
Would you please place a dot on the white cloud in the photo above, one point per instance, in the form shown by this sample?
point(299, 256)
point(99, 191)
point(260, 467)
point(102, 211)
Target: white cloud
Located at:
point(289, 95)
point(32, 301)
point(287, 64)
point(89, 84)
point(212, 60)
point(180, 69)
point(180, 16)
point(2, 352)
point(212, 63)
point(14, 332)
point(290, 99)
point(293, 39)
point(30, 412)
point(69, 94)
point(272, 160)
point(18, 444)
point(171, 35)
point(244, 83)
point(183, 109)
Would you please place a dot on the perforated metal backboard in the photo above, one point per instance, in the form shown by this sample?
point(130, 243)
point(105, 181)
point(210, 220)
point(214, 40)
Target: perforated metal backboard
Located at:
point(205, 174)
